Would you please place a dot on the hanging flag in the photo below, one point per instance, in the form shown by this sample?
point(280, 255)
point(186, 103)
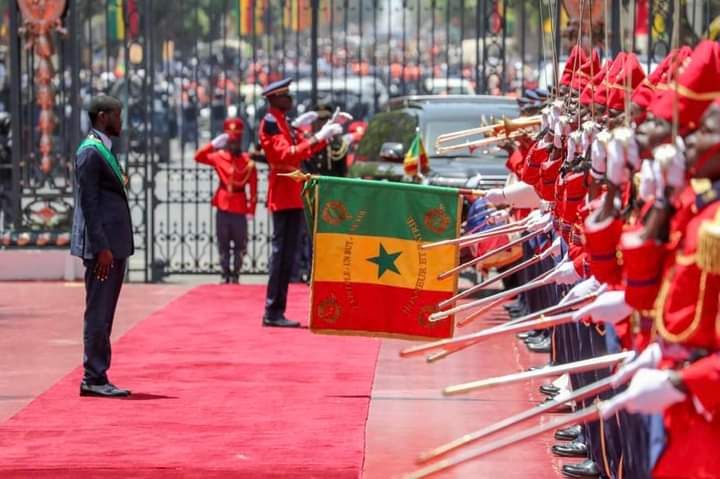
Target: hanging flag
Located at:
point(295, 15)
point(370, 275)
point(304, 15)
point(260, 8)
point(116, 20)
point(133, 19)
point(245, 16)
point(415, 156)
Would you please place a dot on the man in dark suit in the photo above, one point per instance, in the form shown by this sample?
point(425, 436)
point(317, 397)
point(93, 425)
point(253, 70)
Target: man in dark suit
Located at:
point(102, 236)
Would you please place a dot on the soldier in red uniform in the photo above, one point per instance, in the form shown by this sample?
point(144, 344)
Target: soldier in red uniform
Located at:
point(235, 197)
point(285, 149)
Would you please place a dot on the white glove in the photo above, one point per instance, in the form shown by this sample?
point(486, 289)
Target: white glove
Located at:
point(598, 158)
point(473, 182)
point(564, 274)
point(571, 148)
point(589, 130)
point(340, 117)
point(328, 131)
point(648, 359)
point(495, 196)
point(633, 153)
point(675, 175)
point(609, 307)
point(582, 289)
point(558, 134)
point(555, 248)
point(659, 182)
point(537, 224)
point(617, 172)
point(647, 181)
point(521, 195)
point(650, 392)
point(220, 141)
point(305, 119)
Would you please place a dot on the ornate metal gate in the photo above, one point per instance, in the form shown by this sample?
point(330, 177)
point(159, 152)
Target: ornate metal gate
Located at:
point(181, 67)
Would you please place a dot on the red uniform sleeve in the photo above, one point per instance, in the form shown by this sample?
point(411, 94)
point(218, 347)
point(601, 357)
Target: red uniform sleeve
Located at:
point(702, 379)
point(252, 182)
point(204, 155)
point(281, 152)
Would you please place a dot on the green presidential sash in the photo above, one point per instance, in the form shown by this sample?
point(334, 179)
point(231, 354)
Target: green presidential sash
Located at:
point(107, 156)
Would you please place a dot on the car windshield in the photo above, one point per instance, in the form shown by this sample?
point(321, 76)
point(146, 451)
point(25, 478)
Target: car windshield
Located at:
point(387, 127)
point(435, 128)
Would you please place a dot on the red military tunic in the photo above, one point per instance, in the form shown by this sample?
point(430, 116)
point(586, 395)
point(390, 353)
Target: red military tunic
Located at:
point(689, 314)
point(284, 152)
point(236, 174)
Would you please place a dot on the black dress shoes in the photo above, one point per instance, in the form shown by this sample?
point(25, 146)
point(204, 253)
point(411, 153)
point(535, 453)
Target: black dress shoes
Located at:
point(512, 307)
point(536, 336)
point(549, 390)
point(561, 409)
point(524, 335)
point(543, 346)
point(574, 449)
point(584, 469)
point(280, 322)
point(535, 368)
point(568, 434)
point(103, 390)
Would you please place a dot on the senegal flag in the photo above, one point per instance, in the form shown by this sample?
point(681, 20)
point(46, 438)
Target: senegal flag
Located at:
point(369, 275)
point(416, 158)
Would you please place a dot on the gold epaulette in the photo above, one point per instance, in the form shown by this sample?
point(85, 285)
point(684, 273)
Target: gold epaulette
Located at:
point(708, 248)
point(700, 185)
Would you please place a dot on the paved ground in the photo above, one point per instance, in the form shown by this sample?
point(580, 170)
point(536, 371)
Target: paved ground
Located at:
point(41, 332)
point(40, 341)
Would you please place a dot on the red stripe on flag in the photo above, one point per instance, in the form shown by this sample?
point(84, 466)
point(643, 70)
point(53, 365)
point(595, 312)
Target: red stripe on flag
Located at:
point(377, 310)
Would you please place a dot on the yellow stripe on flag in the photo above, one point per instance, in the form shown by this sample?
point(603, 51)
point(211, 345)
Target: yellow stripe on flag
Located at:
point(375, 260)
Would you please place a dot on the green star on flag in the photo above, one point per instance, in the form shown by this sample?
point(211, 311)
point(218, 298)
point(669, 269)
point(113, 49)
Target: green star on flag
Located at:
point(385, 261)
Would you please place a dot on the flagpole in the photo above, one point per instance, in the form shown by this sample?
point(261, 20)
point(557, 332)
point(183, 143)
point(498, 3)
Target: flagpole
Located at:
point(469, 339)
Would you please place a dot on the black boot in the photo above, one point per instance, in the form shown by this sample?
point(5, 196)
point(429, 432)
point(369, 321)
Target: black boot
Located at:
point(584, 469)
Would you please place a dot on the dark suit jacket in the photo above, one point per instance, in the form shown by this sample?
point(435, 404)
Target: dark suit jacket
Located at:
point(101, 219)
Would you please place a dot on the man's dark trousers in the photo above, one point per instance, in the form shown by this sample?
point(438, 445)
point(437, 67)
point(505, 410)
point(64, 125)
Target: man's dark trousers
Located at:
point(285, 242)
point(231, 227)
point(100, 302)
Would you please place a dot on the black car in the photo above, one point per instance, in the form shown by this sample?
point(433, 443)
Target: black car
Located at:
point(432, 116)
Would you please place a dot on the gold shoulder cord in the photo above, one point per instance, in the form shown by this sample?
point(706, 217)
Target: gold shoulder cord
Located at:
point(338, 154)
point(706, 257)
point(660, 309)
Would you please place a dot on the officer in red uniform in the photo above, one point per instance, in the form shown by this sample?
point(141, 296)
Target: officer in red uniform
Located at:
point(237, 174)
point(285, 149)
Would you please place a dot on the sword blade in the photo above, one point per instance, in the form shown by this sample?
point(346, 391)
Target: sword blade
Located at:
point(488, 254)
point(466, 340)
point(582, 393)
point(536, 283)
point(583, 415)
point(525, 264)
point(498, 230)
point(575, 367)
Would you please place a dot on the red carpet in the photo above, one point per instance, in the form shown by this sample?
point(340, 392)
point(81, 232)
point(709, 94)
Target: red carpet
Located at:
point(215, 395)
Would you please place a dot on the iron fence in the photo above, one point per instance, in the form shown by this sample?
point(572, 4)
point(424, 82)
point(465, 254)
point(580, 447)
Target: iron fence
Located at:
point(182, 67)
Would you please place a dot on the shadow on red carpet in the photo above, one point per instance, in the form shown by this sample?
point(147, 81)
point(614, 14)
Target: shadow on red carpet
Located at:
point(215, 395)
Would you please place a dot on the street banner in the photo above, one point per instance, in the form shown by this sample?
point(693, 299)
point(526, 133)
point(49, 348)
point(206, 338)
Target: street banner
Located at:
point(370, 275)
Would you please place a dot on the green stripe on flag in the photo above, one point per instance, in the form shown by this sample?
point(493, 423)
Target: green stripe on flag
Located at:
point(381, 208)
